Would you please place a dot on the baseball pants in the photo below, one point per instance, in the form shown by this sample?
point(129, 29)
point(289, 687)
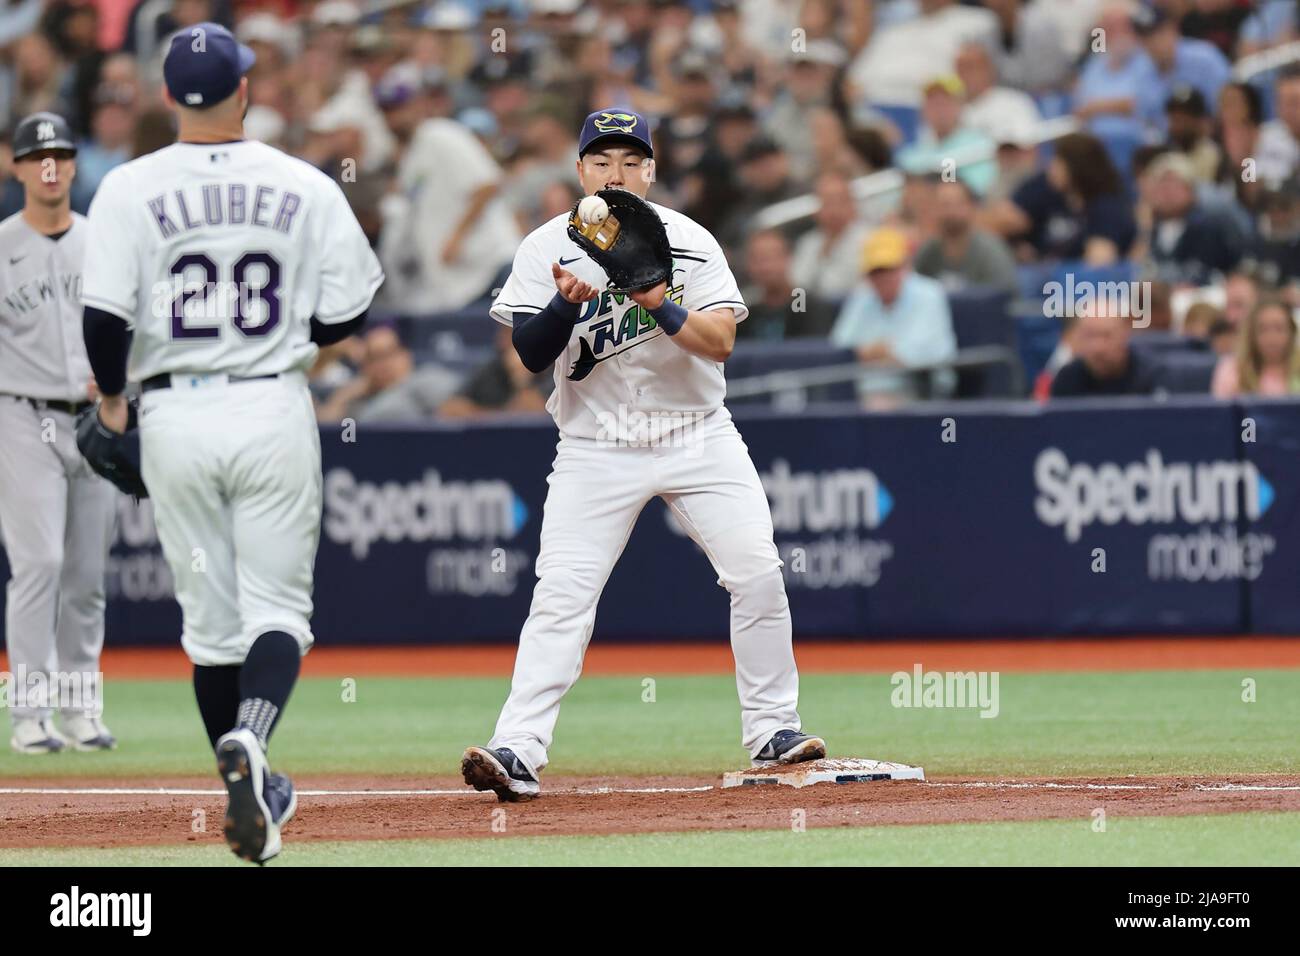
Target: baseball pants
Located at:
point(596, 493)
point(56, 520)
point(234, 471)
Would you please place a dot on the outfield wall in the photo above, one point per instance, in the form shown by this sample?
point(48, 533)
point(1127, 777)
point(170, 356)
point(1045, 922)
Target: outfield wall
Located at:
point(962, 519)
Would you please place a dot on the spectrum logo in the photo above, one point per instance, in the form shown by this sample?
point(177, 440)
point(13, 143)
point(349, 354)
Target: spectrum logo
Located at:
point(1149, 491)
point(360, 513)
point(818, 501)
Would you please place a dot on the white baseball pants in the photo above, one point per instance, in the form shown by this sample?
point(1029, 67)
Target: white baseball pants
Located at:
point(235, 476)
point(56, 521)
point(596, 493)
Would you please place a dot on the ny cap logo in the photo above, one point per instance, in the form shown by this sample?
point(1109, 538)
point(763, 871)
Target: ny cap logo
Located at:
point(615, 122)
point(45, 130)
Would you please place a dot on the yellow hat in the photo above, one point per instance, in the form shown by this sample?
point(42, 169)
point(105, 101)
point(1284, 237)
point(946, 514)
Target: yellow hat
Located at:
point(948, 82)
point(884, 249)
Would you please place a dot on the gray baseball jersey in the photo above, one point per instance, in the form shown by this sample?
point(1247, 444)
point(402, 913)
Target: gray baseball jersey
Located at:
point(42, 354)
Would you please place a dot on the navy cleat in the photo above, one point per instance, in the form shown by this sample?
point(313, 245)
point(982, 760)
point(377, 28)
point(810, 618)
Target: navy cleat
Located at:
point(500, 771)
point(261, 802)
point(789, 746)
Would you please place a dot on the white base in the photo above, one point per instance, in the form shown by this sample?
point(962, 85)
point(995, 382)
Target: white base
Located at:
point(830, 770)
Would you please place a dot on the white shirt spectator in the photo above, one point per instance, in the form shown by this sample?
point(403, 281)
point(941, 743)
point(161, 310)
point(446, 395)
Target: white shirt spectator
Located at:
point(998, 109)
point(443, 168)
point(900, 59)
point(828, 269)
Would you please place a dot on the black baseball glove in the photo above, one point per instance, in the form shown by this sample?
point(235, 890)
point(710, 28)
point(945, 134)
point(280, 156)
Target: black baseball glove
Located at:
point(631, 245)
point(113, 456)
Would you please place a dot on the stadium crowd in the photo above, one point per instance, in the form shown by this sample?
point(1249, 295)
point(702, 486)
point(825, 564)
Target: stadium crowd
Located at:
point(871, 169)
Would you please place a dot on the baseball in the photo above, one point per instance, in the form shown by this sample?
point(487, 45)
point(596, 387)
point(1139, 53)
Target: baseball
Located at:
point(593, 209)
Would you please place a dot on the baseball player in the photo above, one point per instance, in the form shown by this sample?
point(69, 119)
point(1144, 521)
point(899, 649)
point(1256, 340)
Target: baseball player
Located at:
point(56, 515)
point(218, 266)
point(638, 401)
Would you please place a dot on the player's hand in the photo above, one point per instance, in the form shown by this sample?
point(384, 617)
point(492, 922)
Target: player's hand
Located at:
point(571, 287)
point(652, 297)
point(113, 413)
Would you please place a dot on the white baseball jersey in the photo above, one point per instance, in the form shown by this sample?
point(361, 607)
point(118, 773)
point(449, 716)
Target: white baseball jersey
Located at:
point(218, 255)
point(42, 354)
point(618, 361)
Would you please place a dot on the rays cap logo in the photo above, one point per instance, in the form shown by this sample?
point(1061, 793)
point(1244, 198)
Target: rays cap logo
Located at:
point(204, 63)
point(615, 127)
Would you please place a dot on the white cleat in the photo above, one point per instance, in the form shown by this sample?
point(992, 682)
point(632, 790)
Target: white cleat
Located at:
point(36, 735)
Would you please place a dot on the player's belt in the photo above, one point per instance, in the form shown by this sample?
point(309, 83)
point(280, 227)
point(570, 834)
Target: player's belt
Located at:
point(165, 380)
point(68, 408)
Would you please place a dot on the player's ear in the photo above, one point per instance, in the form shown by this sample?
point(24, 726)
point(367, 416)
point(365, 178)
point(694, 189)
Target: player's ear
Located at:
point(647, 170)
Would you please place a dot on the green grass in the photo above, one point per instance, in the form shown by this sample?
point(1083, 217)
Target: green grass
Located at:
point(1102, 724)
point(1245, 839)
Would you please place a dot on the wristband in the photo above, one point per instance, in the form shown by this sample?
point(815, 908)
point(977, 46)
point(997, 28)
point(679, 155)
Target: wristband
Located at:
point(670, 316)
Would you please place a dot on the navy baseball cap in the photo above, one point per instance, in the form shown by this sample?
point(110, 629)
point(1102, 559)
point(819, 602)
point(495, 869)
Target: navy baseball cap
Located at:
point(606, 127)
point(204, 64)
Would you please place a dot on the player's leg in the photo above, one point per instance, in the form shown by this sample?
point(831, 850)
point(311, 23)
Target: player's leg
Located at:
point(33, 492)
point(714, 490)
point(92, 514)
point(594, 498)
point(180, 467)
point(274, 486)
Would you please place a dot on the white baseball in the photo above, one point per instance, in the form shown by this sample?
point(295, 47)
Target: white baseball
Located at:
point(593, 209)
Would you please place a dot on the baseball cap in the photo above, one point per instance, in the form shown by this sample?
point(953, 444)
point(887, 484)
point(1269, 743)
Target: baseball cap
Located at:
point(1186, 99)
point(42, 131)
point(885, 248)
point(204, 64)
point(605, 127)
point(948, 82)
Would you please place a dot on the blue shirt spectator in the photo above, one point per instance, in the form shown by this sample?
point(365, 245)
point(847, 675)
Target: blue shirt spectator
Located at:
point(895, 319)
point(1111, 86)
point(1179, 62)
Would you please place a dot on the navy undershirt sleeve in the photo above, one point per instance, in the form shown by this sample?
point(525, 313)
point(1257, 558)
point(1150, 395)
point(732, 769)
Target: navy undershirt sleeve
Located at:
point(108, 344)
point(539, 339)
point(323, 334)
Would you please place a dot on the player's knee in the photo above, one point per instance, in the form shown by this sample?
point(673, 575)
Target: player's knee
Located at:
point(760, 596)
point(565, 592)
point(39, 568)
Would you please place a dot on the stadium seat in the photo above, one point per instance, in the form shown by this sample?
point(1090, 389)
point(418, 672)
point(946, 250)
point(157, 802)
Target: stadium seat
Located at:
point(906, 118)
point(982, 317)
point(1186, 372)
point(761, 358)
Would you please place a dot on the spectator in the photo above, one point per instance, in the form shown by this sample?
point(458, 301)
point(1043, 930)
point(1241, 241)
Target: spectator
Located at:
point(1188, 123)
point(389, 386)
point(1076, 209)
point(1106, 362)
point(827, 258)
point(1267, 361)
point(1278, 151)
point(809, 80)
point(111, 125)
point(945, 142)
point(991, 109)
point(1201, 317)
point(765, 179)
point(1240, 296)
point(1179, 62)
point(1110, 91)
point(447, 233)
point(902, 57)
point(1223, 337)
point(777, 309)
point(503, 384)
point(1061, 356)
point(1035, 52)
point(896, 320)
point(1188, 245)
point(964, 255)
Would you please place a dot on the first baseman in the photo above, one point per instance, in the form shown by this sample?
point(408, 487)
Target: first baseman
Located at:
point(639, 403)
point(219, 265)
point(56, 515)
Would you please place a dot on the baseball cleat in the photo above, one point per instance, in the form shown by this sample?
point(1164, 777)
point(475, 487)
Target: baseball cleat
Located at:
point(789, 746)
point(260, 802)
point(87, 733)
point(500, 771)
point(36, 735)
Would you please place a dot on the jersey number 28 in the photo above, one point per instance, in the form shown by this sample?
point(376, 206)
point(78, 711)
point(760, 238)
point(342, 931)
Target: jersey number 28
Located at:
point(243, 293)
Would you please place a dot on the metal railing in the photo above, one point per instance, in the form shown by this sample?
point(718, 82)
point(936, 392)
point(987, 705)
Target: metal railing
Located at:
point(800, 380)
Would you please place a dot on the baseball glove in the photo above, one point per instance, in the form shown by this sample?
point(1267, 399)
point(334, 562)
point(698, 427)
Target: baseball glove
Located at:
point(631, 245)
point(113, 456)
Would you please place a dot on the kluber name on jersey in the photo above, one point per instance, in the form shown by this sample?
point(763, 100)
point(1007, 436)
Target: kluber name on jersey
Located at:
point(41, 350)
point(218, 255)
point(618, 361)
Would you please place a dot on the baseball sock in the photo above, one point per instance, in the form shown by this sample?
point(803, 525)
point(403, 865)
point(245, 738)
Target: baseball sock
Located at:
point(217, 691)
point(265, 682)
